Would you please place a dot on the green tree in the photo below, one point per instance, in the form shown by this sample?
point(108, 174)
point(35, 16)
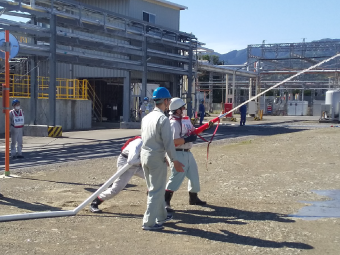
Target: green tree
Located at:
point(215, 60)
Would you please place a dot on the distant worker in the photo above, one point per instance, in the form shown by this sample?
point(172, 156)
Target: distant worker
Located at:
point(243, 111)
point(17, 124)
point(144, 108)
point(182, 128)
point(130, 155)
point(202, 111)
point(157, 141)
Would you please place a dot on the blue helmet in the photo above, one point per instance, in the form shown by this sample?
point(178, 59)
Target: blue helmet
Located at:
point(161, 93)
point(15, 101)
point(202, 100)
point(146, 99)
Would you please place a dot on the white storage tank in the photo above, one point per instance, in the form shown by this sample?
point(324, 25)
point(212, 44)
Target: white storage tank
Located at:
point(333, 99)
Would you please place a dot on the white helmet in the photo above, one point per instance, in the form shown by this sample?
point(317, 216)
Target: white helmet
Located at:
point(176, 103)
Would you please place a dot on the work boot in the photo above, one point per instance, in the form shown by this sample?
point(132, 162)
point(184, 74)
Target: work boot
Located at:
point(168, 196)
point(194, 200)
point(94, 205)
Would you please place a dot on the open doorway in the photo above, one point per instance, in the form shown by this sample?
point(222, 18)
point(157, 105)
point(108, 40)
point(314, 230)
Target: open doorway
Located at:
point(109, 95)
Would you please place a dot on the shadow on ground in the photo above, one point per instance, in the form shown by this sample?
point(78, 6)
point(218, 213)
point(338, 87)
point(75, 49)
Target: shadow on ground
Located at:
point(229, 216)
point(68, 152)
point(35, 207)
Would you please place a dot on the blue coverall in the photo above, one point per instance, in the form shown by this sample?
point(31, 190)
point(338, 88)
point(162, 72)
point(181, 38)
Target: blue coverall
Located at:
point(243, 111)
point(202, 112)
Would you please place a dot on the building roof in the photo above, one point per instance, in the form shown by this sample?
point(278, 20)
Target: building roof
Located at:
point(168, 4)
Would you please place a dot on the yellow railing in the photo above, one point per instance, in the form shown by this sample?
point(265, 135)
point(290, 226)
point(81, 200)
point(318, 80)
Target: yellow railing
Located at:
point(65, 88)
point(97, 106)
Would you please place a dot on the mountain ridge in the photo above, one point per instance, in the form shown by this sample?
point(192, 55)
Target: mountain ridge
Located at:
point(239, 57)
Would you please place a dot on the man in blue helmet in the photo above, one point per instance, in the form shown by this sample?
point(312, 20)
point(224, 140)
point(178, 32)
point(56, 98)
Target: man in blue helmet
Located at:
point(157, 142)
point(201, 110)
point(144, 108)
point(17, 123)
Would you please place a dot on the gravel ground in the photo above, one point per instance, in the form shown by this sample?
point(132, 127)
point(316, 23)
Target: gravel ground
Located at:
point(251, 185)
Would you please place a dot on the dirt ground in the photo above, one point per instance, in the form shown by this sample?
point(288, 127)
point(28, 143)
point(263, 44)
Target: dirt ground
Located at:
point(251, 185)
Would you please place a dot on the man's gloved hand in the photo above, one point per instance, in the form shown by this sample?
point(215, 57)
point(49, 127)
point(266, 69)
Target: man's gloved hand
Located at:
point(189, 139)
point(210, 124)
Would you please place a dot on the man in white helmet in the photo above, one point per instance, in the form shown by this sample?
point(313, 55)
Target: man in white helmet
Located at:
point(182, 128)
point(157, 142)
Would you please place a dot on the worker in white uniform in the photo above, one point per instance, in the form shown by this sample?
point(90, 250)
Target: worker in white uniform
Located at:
point(130, 155)
point(182, 129)
point(17, 125)
point(144, 108)
point(157, 142)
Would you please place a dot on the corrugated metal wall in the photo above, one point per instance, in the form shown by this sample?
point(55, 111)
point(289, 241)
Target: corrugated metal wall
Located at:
point(151, 76)
point(118, 6)
point(78, 71)
point(132, 8)
point(163, 14)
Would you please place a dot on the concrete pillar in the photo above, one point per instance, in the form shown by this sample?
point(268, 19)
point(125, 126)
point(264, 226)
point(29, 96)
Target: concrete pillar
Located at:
point(126, 97)
point(174, 88)
point(250, 88)
point(226, 87)
point(302, 96)
point(190, 81)
point(211, 74)
point(257, 91)
point(145, 69)
point(34, 91)
point(233, 96)
point(53, 71)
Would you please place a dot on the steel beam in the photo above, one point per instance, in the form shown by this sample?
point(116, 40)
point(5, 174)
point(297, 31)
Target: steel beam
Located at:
point(34, 91)
point(126, 96)
point(53, 72)
point(145, 68)
point(190, 80)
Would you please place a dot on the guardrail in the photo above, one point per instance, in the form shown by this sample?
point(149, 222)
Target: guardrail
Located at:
point(73, 89)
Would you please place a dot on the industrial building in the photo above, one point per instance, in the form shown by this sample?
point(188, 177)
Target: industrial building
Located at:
point(88, 60)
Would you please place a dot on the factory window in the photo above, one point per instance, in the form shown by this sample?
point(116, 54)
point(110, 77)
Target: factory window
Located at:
point(148, 17)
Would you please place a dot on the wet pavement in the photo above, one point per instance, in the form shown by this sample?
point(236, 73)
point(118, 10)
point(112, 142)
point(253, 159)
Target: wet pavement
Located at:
point(321, 209)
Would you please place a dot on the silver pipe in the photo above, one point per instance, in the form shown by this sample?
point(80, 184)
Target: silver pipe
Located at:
point(37, 215)
point(280, 83)
point(102, 188)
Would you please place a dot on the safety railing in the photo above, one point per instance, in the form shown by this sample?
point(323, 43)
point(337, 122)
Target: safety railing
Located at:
point(97, 106)
point(19, 85)
point(65, 88)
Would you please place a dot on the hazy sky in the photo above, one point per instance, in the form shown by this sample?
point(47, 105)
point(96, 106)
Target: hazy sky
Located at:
point(226, 25)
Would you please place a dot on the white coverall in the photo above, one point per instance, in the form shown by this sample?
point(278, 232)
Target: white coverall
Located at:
point(17, 124)
point(142, 109)
point(180, 129)
point(132, 151)
point(145, 108)
point(157, 140)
